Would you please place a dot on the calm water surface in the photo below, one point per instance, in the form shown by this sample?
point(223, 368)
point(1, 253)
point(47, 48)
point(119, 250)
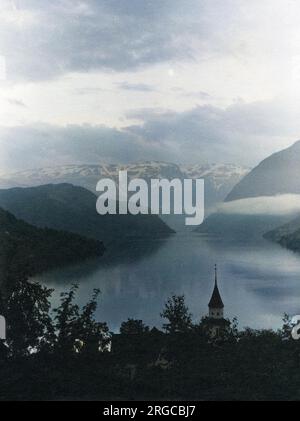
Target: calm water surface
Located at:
point(258, 281)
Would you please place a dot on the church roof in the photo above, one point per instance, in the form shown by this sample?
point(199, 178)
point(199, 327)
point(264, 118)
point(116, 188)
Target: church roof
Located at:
point(216, 300)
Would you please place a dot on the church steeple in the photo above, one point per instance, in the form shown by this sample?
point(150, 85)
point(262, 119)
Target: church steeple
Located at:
point(216, 276)
point(216, 306)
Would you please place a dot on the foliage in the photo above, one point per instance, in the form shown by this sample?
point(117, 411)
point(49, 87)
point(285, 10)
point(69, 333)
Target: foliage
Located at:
point(64, 356)
point(177, 314)
point(26, 250)
point(133, 327)
point(29, 325)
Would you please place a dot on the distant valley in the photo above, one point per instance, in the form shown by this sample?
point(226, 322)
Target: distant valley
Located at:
point(266, 202)
point(64, 198)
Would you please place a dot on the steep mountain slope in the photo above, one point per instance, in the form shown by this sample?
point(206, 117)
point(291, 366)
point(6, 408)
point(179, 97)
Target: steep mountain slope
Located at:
point(26, 250)
point(73, 209)
point(252, 212)
point(290, 240)
point(287, 235)
point(278, 174)
point(284, 231)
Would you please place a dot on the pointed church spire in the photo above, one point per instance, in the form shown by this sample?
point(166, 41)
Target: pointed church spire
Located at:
point(216, 300)
point(215, 320)
point(216, 275)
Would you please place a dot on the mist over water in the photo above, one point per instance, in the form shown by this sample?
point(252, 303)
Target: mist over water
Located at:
point(259, 281)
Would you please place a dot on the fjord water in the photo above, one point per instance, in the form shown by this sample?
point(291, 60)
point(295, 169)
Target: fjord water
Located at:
point(259, 281)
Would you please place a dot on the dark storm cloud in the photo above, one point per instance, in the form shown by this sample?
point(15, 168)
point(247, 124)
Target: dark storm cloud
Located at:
point(41, 40)
point(40, 145)
point(208, 133)
point(206, 121)
point(242, 134)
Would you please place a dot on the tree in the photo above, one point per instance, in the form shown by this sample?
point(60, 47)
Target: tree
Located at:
point(78, 330)
point(133, 327)
point(177, 313)
point(94, 336)
point(29, 325)
point(65, 317)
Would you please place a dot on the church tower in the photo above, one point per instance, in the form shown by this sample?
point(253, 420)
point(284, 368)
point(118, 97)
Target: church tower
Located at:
point(215, 322)
point(216, 306)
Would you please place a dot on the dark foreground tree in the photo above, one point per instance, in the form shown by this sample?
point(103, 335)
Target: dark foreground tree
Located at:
point(78, 331)
point(133, 327)
point(60, 358)
point(178, 315)
point(29, 324)
point(93, 336)
point(66, 316)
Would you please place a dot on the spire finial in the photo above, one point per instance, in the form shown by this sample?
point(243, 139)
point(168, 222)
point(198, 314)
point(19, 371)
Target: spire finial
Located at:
point(216, 275)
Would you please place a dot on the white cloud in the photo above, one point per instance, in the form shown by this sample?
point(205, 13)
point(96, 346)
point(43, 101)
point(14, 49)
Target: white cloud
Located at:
point(225, 72)
point(280, 205)
point(2, 68)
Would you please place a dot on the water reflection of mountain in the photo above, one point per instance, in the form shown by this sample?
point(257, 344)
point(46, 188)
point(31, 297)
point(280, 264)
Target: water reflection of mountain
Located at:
point(116, 255)
point(182, 264)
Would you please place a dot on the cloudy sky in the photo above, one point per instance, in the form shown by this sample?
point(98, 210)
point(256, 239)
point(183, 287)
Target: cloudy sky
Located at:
point(129, 80)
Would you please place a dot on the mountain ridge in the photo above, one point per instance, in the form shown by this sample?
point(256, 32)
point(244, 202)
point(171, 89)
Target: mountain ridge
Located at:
point(73, 209)
point(219, 178)
point(26, 250)
point(277, 174)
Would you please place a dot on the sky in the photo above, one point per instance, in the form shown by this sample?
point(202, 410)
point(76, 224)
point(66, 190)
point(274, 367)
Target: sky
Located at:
point(185, 81)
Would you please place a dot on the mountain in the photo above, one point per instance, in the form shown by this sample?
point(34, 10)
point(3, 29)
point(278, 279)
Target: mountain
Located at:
point(287, 235)
point(290, 240)
point(88, 175)
point(283, 231)
point(249, 210)
point(72, 208)
point(26, 250)
point(278, 174)
point(219, 178)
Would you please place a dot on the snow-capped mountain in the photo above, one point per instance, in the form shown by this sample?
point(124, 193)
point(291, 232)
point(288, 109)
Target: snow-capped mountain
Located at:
point(88, 175)
point(219, 174)
point(219, 178)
